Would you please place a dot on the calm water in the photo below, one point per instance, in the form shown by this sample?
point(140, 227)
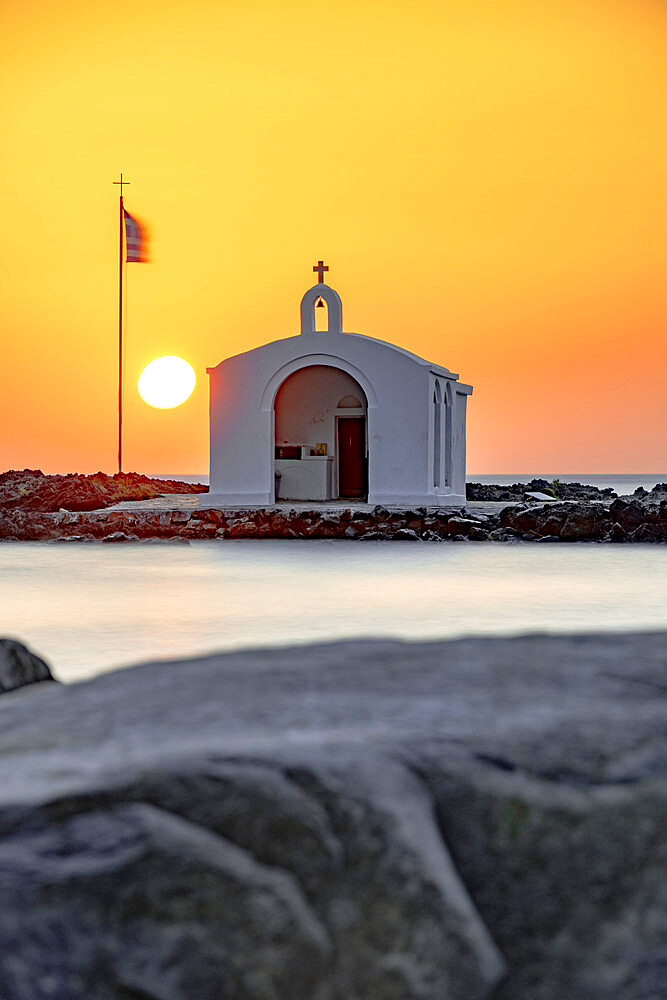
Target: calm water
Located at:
point(90, 608)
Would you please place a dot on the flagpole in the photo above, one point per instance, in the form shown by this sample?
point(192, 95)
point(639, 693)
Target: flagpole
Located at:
point(120, 332)
point(120, 325)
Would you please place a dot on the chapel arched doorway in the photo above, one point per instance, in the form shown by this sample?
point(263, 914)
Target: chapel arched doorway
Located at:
point(321, 449)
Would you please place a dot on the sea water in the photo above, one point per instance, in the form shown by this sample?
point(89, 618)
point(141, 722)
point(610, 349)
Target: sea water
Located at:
point(91, 608)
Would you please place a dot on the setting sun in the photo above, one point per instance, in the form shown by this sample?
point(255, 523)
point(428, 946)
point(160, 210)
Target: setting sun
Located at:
point(166, 382)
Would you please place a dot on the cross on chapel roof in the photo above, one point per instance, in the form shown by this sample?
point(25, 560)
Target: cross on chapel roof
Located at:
point(318, 295)
point(320, 267)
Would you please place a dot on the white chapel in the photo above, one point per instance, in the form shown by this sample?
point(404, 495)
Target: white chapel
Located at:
point(333, 415)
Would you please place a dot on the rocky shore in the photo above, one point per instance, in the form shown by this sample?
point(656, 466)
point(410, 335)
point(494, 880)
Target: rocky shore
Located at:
point(636, 520)
point(479, 819)
point(554, 488)
point(35, 507)
point(32, 490)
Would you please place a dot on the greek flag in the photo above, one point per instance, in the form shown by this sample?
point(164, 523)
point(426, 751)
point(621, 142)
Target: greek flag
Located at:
point(136, 243)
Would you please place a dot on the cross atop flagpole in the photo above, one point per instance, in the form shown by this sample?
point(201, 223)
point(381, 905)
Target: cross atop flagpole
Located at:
point(121, 182)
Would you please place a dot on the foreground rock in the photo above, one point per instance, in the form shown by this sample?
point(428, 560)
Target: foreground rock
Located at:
point(31, 490)
point(472, 819)
point(19, 666)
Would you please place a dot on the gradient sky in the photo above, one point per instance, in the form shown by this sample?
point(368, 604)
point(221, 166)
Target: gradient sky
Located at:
point(485, 178)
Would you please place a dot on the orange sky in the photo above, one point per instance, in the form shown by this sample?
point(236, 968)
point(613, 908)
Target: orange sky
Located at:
point(486, 179)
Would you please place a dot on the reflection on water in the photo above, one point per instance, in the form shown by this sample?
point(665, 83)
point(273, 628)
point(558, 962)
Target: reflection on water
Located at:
point(89, 608)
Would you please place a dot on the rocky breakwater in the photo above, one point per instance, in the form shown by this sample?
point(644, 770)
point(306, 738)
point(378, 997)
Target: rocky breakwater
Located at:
point(480, 819)
point(635, 520)
point(553, 488)
point(623, 521)
point(210, 523)
point(31, 490)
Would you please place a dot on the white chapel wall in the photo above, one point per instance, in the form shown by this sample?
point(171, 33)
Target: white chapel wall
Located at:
point(306, 405)
point(459, 443)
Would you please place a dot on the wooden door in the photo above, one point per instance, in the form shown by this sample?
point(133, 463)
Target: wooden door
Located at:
point(351, 456)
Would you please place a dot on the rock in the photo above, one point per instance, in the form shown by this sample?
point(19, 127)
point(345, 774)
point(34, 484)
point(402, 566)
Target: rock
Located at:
point(244, 528)
point(524, 518)
point(553, 491)
point(474, 819)
point(30, 489)
point(629, 514)
point(184, 941)
point(406, 535)
point(617, 533)
point(494, 493)
point(280, 524)
point(461, 526)
point(649, 533)
point(571, 522)
point(484, 519)
point(504, 534)
point(541, 496)
point(413, 524)
point(71, 538)
point(203, 529)
point(585, 522)
point(432, 536)
point(549, 526)
point(327, 527)
point(20, 666)
point(208, 514)
point(120, 536)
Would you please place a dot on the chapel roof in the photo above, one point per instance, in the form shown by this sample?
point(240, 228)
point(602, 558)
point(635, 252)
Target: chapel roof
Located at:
point(321, 292)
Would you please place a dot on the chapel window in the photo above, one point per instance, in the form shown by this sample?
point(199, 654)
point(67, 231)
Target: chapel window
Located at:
point(349, 403)
point(321, 315)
